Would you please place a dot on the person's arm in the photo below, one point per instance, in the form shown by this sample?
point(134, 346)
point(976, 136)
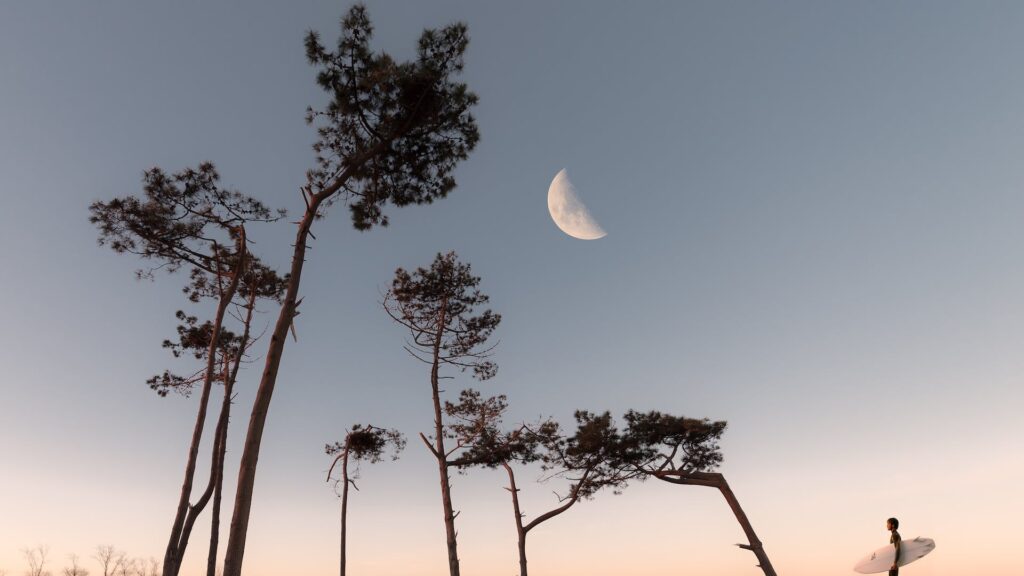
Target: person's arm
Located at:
point(896, 542)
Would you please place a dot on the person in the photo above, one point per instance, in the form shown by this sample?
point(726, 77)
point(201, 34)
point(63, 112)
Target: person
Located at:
point(891, 525)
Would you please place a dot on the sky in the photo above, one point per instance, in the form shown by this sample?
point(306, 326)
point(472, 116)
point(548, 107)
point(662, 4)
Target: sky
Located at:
point(814, 231)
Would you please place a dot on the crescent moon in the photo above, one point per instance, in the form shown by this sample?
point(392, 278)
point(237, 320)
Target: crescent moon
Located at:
point(569, 213)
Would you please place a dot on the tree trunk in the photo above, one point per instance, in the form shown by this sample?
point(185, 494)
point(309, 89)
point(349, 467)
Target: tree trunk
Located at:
point(211, 558)
point(523, 531)
point(344, 507)
point(217, 473)
point(261, 404)
point(715, 480)
point(439, 451)
point(222, 447)
point(219, 440)
point(449, 518)
point(179, 530)
point(574, 497)
point(520, 532)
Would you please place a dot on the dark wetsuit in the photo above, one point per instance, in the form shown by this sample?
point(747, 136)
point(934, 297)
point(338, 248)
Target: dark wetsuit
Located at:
point(895, 541)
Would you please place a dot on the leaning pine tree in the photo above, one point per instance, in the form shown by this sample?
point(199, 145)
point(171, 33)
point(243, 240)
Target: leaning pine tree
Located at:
point(438, 307)
point(685, 451)
point(392, 132)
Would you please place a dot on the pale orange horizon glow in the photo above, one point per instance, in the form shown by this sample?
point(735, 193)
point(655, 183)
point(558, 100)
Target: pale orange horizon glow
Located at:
point(813, 520)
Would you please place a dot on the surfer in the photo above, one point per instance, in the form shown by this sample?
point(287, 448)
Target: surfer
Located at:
point(890, 557)
point(891, 525)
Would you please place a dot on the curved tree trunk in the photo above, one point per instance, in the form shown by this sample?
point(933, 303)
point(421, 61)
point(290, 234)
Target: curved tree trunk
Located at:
point(716, 480)
point(261, 405)
point(521, 530)
point(235, 551)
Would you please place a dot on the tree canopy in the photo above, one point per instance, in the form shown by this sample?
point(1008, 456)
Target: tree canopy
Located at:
point(392, 131)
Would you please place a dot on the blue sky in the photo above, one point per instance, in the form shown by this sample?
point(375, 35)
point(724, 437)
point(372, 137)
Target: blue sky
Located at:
point(813, 215)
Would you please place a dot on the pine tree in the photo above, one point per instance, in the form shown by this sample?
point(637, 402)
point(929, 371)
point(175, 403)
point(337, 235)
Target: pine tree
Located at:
point(392, 133)
point(361, 444)
point(438, 307)
point(187, 220)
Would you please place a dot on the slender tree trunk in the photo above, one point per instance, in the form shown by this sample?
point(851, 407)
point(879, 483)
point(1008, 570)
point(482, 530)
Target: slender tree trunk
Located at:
point(439, 450)
point(222, 447)
point(217, 474)
point(179, 537)
point(261, 404)
point(344, 507)
point(449, 514)
point(211, 557)
point(716, 480)
point(520, 532)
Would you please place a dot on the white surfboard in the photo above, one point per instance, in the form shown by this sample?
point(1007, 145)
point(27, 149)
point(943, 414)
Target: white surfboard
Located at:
point(881, 560)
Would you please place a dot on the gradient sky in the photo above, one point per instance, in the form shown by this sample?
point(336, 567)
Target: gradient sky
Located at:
point(814, 232)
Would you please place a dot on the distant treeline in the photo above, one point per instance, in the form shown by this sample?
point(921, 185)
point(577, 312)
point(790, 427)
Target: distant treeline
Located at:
point(107, 561)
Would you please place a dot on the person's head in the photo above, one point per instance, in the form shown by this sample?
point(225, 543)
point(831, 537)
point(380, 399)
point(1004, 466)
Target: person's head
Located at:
point(892, 524)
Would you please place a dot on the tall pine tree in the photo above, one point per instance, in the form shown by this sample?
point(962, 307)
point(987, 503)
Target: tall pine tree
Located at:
point(438, 305)
point(391, 133)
